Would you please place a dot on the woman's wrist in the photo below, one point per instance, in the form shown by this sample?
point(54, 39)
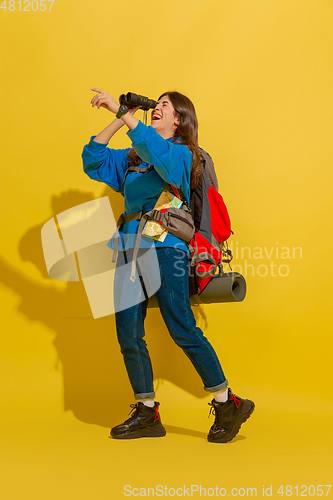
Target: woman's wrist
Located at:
point(130, 120)
point(106, 134)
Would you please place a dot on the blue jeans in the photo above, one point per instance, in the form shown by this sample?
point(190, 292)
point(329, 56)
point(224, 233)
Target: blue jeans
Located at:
point(175, 306)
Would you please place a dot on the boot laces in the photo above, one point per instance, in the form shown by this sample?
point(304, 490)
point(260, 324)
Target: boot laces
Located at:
point(133, 412)
point(219, 417)
point(212, 409)
point(215, 411)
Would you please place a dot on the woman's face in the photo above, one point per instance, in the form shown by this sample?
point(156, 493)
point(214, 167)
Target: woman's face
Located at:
point(164, 119)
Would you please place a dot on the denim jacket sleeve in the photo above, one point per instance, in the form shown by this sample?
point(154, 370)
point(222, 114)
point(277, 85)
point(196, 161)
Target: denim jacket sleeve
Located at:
point(172, 161)
point(104, 164)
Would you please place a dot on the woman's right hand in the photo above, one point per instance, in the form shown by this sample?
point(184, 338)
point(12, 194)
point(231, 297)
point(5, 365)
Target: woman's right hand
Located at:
point(104, 100)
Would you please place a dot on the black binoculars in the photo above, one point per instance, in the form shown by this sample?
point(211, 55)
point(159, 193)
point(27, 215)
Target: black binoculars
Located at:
point(131, 100)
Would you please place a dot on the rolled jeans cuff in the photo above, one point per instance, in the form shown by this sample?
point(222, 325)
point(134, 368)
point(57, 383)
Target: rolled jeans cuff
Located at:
point(219, 387)
point(144, 395)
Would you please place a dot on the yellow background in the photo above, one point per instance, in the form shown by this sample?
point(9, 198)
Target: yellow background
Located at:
point(260, 74)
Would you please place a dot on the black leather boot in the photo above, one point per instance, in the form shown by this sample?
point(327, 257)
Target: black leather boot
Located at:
point(144, 422)
point(229, 417)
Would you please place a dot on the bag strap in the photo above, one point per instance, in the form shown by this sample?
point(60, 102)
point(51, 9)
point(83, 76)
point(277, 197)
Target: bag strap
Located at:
point(179, 194)
point(139, 170)
point(207, 165)
point(122, 219)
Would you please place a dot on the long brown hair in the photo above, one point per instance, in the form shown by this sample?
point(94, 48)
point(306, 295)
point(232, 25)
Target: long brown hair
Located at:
point(187, 131)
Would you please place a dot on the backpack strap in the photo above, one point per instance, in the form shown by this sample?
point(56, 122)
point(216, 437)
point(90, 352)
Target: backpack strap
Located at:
point(179, 194)
point(122, 219)
point(208, 165)
point(202, 257)
point(139, 170)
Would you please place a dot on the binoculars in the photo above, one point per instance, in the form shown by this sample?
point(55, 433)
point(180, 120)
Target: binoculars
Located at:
point(131, 100)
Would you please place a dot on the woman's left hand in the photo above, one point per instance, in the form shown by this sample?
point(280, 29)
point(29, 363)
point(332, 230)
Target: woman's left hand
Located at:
point(104, 100)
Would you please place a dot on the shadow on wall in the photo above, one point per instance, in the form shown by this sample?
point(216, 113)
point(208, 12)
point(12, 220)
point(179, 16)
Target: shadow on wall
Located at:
point(96, 387)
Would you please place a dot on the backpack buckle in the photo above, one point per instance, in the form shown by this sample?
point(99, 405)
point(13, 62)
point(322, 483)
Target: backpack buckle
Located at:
point(156, 215)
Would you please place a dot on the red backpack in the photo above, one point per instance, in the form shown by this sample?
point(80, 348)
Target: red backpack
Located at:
point(208, 247)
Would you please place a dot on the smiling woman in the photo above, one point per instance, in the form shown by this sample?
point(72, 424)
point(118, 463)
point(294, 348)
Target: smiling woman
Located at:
point(175, 112)
point(164, 159)
point(164, 118)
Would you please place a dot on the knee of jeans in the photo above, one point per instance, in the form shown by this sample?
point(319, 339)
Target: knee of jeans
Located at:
point(130, 340)
point(182, 341)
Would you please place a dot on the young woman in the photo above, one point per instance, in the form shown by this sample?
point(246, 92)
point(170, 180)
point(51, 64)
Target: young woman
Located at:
point(170, 146)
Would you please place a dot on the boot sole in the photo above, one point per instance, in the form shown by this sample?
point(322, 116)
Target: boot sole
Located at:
point(154, 431)
point(242, 417)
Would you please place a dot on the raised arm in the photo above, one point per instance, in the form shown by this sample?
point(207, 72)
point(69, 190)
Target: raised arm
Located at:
point(172, 161)
point(105, 100)
point(100, 162)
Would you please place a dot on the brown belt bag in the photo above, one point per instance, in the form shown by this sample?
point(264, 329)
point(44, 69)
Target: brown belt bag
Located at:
point(177, 221)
